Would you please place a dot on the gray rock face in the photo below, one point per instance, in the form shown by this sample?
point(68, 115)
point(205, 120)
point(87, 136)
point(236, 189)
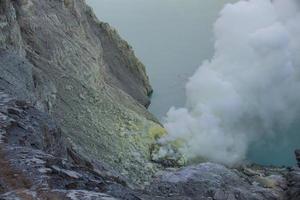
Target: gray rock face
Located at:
point(214, 181)
point(68, 34)
point(37, 163)
point(16, 75)
point(293, 192)
point(58, 56)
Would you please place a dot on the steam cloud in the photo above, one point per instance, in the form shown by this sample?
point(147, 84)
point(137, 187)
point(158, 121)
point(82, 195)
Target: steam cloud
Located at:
point(250, 88)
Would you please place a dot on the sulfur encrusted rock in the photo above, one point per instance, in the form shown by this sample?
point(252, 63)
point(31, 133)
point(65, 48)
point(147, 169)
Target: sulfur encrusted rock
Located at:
point(59, 56)
point(38, 163)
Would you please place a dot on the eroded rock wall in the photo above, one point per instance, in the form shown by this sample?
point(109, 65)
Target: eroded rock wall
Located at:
point(58, 56)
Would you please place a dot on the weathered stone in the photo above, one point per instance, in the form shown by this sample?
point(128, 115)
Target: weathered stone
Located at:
point(217, 182)
point(293, 191)
point(297, 153)
point(61, 58)
point(37, 163)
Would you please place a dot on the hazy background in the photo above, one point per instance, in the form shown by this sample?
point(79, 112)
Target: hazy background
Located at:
point(244, 103)
point(171, 37)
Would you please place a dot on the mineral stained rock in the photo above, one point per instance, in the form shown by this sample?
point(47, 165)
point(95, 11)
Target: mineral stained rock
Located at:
point(37, 162)
point(57, 55)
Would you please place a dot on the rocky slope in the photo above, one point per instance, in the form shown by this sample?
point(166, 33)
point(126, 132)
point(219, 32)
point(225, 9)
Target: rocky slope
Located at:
point(58, 56)
point(38, 163)
point(73, 122)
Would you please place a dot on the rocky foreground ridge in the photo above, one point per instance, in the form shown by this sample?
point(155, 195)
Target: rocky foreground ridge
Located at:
point(38, 163)
point(73, 122)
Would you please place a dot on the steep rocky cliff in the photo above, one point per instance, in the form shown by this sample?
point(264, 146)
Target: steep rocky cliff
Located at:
point(58, 56)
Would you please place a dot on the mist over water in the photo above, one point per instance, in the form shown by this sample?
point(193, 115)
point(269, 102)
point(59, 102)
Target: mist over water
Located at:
point(171, 37)
point(243, 101)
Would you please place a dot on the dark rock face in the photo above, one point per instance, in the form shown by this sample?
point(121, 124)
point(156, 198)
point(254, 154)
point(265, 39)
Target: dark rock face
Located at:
point(293, 192)
point(293, 178)
point(23, 125)
point(297, 153)
point(36, 163)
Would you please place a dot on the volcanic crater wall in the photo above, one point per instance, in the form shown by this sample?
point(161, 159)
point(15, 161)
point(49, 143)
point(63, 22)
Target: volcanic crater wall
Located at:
point(57, 55)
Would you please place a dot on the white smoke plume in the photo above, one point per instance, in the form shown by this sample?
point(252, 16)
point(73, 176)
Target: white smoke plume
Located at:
point(251, 86)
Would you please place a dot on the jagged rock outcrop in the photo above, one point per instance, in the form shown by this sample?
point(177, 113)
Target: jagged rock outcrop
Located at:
point(58, 56)
point(214, 181)
point(297, 153)
point(293, 178)
point(38, 163)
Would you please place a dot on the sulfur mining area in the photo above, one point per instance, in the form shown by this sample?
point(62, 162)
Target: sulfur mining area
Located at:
point(74, 123)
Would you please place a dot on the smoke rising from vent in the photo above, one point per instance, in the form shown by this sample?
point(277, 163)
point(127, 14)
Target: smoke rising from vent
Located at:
point(249, 89)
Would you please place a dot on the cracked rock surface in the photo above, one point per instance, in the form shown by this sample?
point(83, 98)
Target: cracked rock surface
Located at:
point(38, 163)
point(58, 56)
